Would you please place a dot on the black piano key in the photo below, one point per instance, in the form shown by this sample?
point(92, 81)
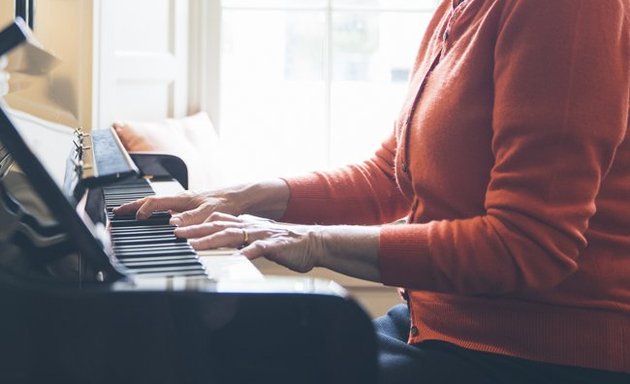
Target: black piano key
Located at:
point(127, 192)
point(149, 221)
point(126, 195)
point(142, 228)
point(164, 263)
point(155, 239)
point(147, 247)
point(168, 269)
point(139, 184)
point(142, 253)
point(158, 258)
point(131, 232)
point(155, 215)
point(150, 247)
point(173, 252)
point(142, 237)
point(161, 253)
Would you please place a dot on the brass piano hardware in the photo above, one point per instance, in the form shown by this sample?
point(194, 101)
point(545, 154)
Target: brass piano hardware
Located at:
point(85, 167)
point(80, 166)
point(5, 164)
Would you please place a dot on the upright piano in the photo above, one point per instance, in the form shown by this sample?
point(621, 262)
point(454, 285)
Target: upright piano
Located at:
point(91, 298)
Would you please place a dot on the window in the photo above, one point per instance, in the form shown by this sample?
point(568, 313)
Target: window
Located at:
point(311, 84)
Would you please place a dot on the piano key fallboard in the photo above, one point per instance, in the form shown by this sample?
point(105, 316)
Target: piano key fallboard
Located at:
point(147, 247)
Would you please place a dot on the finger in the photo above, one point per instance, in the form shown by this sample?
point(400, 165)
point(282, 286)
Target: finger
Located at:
point(195, 231)
point(164, 203)
point(278, 251)
point(220, 216)
point(230, 237)
point(271, 249)
point(256, 249)
point(128, 208)
point(119, 125)
point(200, 215)
point(126, 134)
point(200, 230)
point(191, 217)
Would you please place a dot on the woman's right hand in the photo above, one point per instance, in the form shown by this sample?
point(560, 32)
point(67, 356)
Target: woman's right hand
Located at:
point(187, 208)
point(266, 199)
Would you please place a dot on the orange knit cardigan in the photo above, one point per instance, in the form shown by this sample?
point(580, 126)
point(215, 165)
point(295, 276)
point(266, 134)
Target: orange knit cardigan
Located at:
point(511, 161)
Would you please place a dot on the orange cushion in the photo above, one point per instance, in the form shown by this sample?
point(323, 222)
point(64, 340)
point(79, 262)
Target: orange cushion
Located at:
point(192, 138)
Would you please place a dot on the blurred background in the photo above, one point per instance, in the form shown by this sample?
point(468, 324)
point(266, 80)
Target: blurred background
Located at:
point(296, 85)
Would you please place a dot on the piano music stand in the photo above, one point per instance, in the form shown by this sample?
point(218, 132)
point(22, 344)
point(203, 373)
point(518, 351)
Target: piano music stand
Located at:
point(25, 9)
point(12, 36)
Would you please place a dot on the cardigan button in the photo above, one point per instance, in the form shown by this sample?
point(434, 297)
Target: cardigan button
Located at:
point(414, 331)
point(404, 294)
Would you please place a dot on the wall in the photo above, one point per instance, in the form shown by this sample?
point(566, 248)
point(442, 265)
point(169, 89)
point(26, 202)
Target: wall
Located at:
point(142, 57)
point(122, 60)
point(6, 11)
point(64, 27)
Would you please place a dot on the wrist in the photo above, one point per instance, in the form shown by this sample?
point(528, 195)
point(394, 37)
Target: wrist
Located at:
point(351, 250)
point(266, 199)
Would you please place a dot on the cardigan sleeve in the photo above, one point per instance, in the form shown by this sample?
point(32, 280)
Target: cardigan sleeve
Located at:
point(365, 193)
point(560, 111)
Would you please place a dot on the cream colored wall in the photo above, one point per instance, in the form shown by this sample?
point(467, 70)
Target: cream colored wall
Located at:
point(64, 27)
point(6, 11)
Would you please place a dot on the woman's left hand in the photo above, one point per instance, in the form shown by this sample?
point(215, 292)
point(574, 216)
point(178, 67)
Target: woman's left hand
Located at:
point(297, 247)
point(351, 250)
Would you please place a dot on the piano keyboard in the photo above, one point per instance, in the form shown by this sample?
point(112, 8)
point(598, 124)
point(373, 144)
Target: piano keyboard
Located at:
point(148, 247)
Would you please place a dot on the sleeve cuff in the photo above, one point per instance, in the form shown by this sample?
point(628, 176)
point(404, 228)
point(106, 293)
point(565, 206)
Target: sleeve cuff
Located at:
point(404, 257)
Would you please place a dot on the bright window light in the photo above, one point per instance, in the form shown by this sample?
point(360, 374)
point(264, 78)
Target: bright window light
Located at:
point(312, 84)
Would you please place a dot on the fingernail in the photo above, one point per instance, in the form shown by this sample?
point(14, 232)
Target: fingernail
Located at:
point(175, 221)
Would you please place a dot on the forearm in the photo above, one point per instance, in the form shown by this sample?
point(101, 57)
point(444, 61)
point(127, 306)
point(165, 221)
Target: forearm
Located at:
point(351, 250)
point(360, 194)
point(265, 199)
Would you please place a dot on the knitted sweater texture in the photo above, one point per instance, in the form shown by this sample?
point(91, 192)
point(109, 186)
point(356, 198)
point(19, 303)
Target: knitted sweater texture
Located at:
point(510, 160)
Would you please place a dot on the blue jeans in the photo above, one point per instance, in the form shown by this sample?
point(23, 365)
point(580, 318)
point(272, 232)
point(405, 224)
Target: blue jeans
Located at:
point(440, 362)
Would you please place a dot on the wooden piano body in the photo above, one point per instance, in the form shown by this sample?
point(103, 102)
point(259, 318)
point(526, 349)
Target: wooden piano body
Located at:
point(96, 323)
